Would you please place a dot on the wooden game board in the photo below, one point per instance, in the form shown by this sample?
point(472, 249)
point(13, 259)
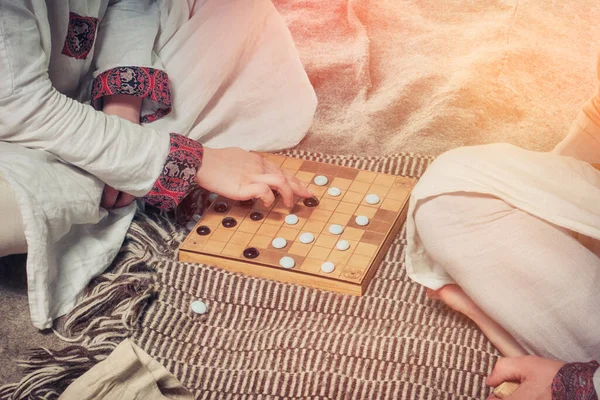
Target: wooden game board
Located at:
point(354, 267)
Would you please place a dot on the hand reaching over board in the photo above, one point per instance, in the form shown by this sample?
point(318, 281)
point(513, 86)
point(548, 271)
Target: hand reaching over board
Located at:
point(241, 175)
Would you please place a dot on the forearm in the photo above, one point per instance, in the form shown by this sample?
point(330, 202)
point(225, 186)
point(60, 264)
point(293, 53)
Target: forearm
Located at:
point(126, 156)
point(123, 106)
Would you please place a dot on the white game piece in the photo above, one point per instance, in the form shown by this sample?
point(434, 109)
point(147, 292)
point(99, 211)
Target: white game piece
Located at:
point(196, 217)
point(361, 220)
point(291, 219)
point(321, 180)
point(372, 199)
point(342, 245)
point(327, 267)
point(198, 307)
point(212, 197)
point(307, 238)
point(333, 191)
point(190, 225)
point(287, 262)
point(336, 229)
point(279, 243)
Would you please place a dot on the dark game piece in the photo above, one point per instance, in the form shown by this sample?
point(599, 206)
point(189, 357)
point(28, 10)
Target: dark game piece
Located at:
point(221, 207)
point(311, 202)
point(251, 252)
point(203, 230)
point(256, 216)
point(247, 202)
point(229, 222)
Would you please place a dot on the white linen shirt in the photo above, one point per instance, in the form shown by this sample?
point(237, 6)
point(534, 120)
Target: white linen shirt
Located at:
point(50, 52)
point(42, 89)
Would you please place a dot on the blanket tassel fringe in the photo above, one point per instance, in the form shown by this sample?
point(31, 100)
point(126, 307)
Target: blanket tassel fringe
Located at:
point(106, 316)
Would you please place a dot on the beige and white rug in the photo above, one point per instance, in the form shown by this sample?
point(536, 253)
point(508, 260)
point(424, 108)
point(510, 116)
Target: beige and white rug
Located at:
point(267, 340)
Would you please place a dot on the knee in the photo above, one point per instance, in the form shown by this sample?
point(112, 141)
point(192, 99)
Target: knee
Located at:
point(439, 213)
point(449, 224)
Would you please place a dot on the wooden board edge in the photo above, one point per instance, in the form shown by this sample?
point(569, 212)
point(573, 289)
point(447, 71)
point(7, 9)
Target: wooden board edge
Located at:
point(385, 247)
point(282, 275)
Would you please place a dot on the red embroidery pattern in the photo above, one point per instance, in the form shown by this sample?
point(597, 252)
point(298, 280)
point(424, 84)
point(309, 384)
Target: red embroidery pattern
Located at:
point(575, 381)
point(179, 171)
point(80, 36)
point(148, 83)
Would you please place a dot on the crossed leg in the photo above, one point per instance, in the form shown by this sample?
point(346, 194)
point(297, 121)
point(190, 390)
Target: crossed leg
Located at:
point(531, 286)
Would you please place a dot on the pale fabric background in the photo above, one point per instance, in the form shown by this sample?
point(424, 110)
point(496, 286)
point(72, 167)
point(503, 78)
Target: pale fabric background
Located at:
point(427, 76)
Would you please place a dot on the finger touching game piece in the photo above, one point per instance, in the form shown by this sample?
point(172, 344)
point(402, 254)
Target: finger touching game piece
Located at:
point(190, 225)
point(336, 229)
point(311, 202)
point(307, 238)
point(279, 243)
point(251, 252)
point(321, 180)
point(198, 307)
point(287, 262)
point(361, 220)
point(327, 267)
point(291, 219)
point(342, 245)
point(334, 191)
point(372, 199)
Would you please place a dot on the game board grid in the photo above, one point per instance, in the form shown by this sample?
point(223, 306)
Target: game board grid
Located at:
point(351, 264)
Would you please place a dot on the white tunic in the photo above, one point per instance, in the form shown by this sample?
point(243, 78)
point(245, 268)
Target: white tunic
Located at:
point(558, 189)
point(57, 152)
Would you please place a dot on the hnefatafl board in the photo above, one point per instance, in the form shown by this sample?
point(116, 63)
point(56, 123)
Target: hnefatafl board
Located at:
point(240, 235)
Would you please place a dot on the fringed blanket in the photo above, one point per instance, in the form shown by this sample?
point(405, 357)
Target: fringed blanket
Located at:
point(264, 339)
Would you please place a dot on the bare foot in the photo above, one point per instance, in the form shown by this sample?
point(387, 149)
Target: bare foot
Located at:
point(457, 299)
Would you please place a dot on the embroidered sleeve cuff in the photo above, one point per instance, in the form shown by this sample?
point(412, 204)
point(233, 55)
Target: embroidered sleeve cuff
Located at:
point(149, 83)
point(575, 381)
point(179, 171)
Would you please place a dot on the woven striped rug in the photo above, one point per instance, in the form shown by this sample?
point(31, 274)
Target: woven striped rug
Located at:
point(262, 339)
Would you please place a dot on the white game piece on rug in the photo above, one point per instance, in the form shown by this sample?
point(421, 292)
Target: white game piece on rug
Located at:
point(190, 225)
point(342, 245)
point(327, 267)
point(279, 243)
point(287, 262)
point(321, 180)
point(333, 191)
point(372, 199)
point(199, 307)
point(196, 217)
point(336, 229)
point(291, 219)
point(361, 220)
point(307, 238)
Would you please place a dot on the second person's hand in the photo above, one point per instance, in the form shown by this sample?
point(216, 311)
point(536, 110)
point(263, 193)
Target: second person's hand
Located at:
point(534, 375)
point(241, 175)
